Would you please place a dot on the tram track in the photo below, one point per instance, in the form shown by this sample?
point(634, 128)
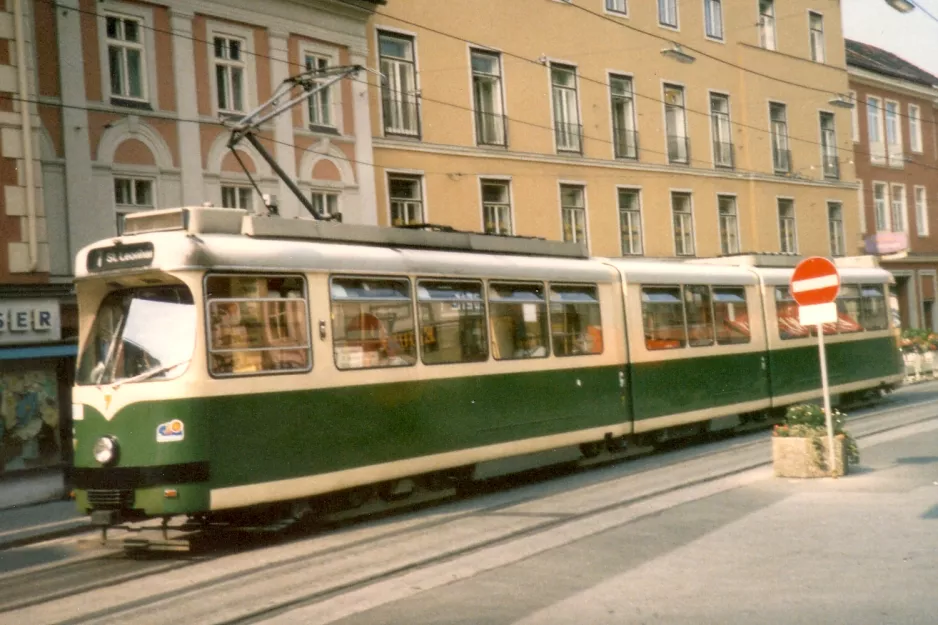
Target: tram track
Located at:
point(230, 588)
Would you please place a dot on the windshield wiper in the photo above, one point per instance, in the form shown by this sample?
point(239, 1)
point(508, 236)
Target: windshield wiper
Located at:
point(151, 373)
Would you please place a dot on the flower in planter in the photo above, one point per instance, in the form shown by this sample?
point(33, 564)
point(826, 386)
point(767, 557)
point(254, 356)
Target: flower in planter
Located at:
point(809, 421)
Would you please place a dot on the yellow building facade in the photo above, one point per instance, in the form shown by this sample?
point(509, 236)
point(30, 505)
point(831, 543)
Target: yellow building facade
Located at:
point(649, 128)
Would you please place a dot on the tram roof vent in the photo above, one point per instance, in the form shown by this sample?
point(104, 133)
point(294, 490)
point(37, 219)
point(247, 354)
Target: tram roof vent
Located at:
point(757, 259)
point(194, 219)
point(430, 238)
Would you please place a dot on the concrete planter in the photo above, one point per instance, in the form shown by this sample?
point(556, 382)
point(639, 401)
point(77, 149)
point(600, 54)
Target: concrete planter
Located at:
point(798, 457)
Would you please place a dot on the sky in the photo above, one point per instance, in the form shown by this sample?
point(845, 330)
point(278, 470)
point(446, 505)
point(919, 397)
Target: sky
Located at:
point(912, 36)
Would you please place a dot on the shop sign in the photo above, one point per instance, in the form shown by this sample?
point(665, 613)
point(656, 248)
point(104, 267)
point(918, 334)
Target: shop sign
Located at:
point(887, 242)
point(30, 321)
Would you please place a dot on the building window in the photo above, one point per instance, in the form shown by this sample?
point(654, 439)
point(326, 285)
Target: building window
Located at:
point(720, 127)
point(915, 128)
point(325, 203)
point(625, 138)
point(406, 200)
point(125, 55)
point(874, 114)
point(816, 22)
point(767, 24)
point(487, 97)
point(835, 223)
point(573, 213)
point(667, 13)
point(899, 223)
point(788, 241)
point(567, 129)
point(713, 15)
point(893, 135)
point(683, 217)
point(131, 195)
point(729, 225)
point(617, 6)
point(630, 221)
point(854, 117)
point(921, 212)
point(229, 74)
point(237, 197)
point(880, 214)
point(781, 155)
point(398, 85)
point(831, 163)
point(320, 104)
point(496, 207)
point(675, 125)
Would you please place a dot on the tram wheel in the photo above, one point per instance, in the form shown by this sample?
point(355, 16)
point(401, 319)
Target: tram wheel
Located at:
point(591, 450)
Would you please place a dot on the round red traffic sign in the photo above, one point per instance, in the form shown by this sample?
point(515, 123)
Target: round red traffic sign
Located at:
point(815, 281)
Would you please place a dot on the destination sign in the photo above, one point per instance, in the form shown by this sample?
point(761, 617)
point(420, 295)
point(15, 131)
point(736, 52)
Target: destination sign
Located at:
point(121, 257)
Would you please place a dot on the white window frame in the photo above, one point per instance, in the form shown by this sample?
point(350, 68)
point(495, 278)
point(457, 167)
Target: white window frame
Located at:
point(767, 32)
point(882, 219)
point(816, 44)
point(386, 127)
point(782, 145)
point(915, 129)
point(861, 207)
point(586, 230)
point(330, 54)
point(693, 229)
point(669, 7)
point(145, 15)
point(708, 6)
point(683, 134)
point(239, 187)
point(900, 212)
point(577, 122)
point(875, 112)
point(121, 210)
point(828, 145)
point(837, 238)
point(632, 121)
point(794, 225)
point(624, 11)
point(498, 98)
point(421, 181)
point(327, 192)
point(735, 224)
point(715, 135)
point(246, 36)
point(493, 180)
point(894, 151)
point(855, 117)
point(641, 220)
point(921, 210)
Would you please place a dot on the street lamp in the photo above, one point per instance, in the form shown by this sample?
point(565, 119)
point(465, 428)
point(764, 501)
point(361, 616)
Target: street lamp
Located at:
point(677, 53)
point(841, 101)
point(903, 6)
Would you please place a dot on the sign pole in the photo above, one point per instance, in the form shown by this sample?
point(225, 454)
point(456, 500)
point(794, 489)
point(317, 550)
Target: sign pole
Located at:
point(827, 399)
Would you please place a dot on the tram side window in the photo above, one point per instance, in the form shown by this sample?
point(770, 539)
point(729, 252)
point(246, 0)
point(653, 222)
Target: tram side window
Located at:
point(372, 323)
point(575, 321)
point(518, 317)
point(786, 312)
point(663, 317)
point(257, 324)
point(731, 315)
point(873, 312)
point(452, 322)
point(699, 315)
point(848, 310)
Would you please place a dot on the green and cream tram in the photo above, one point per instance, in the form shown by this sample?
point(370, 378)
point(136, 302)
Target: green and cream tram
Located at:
point(231, 362)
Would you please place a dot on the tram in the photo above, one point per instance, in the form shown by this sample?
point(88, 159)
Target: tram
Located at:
point(231, 363)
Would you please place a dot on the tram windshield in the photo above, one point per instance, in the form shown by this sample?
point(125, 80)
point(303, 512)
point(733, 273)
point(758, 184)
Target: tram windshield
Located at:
point(139, 334)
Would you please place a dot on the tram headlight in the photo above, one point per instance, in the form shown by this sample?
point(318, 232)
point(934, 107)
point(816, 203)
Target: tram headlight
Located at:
point(105, 450)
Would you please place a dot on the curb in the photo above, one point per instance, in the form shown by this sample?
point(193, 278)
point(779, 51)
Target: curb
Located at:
point(27, 537)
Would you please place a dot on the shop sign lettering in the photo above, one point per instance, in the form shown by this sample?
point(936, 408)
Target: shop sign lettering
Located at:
point(120, 257)
point(29, 321)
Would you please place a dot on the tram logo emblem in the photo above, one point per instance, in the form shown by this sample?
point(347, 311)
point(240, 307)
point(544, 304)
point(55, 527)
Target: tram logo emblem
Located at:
point(170, 431)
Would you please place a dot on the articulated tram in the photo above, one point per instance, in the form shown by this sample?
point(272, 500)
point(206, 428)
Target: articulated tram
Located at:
point(232, 363)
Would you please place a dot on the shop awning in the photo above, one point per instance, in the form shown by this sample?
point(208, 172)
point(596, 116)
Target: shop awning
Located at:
point(38, 351)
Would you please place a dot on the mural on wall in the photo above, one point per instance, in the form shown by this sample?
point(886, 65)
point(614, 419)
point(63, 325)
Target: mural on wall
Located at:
point(29, 419)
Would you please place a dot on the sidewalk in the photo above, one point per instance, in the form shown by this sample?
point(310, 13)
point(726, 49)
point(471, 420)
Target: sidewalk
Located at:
point(32, 509)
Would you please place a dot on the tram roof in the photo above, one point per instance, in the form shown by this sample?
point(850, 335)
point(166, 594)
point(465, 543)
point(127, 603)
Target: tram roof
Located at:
point(665, 271)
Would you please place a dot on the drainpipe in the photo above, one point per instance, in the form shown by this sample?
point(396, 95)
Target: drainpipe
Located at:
point(28, 165)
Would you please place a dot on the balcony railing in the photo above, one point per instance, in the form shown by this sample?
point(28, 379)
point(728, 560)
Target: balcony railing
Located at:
point(491, 129)
point(678, 149)
point(626, 143)
point(724, 154)
point(831, 166)
point(569, 137)
point(781, 159)
point(401, 116)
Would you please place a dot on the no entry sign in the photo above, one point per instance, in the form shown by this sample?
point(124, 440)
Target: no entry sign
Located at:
point(815, 281)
